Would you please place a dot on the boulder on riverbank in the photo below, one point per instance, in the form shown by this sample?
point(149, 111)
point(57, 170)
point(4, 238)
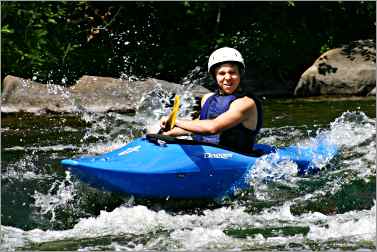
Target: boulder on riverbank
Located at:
point(349, 70)
point(90, 93)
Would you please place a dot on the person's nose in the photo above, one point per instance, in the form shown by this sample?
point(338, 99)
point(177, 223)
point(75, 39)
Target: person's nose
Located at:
point(227, 77)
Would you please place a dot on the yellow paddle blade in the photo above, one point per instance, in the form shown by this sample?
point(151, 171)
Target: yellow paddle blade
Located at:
point(170, 123)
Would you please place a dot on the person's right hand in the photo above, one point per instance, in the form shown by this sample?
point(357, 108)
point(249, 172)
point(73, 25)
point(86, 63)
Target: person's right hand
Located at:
point(163, 121)
point(173, 132)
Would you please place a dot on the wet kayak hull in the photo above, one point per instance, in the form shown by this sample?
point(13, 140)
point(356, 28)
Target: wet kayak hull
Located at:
point(154, 169)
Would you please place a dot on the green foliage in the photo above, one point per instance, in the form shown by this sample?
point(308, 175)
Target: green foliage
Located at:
point(327, 46)
point(36, 37)
point(61, 41)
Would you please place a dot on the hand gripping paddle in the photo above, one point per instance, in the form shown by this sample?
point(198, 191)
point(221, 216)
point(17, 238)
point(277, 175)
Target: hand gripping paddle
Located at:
point(170, 123)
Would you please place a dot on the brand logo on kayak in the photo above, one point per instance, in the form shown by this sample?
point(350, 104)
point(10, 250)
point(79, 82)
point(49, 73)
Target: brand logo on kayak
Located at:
point(129, 150)
point(218, 155)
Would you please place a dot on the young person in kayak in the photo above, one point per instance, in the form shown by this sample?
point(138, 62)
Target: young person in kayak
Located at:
point(228, 117)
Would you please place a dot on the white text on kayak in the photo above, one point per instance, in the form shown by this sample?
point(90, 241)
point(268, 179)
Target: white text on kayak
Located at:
point(129, 150)
point(218, 155)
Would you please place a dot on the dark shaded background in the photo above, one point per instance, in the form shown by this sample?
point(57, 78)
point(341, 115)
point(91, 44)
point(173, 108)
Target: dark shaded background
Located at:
point(58, 42)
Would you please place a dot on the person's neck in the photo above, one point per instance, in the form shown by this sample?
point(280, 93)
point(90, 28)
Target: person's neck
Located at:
point(221, 92)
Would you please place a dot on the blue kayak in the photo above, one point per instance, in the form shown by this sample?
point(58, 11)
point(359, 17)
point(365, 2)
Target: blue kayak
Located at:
point(156, 166)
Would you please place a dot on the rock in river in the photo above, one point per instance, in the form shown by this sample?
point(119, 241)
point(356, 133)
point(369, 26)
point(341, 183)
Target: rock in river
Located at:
point(90, 93)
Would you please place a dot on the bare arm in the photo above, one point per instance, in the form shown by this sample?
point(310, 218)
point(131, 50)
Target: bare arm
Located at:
point(238, 112)
point(177, 131)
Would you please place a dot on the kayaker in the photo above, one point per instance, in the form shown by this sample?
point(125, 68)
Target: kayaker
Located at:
point(228, 117)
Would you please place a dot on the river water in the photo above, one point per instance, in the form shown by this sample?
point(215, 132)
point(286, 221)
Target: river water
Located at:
point(46, 208)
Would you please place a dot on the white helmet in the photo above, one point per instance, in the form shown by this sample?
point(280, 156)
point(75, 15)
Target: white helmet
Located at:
point(225, 54)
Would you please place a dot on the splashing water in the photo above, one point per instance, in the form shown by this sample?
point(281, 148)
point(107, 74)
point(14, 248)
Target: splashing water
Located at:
point(59, 195)
point(158, 102)
point(217, 229)
point(282, 211)
point(352, 130)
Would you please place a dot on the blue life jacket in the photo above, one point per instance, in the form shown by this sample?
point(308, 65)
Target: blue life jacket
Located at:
point(238, 138)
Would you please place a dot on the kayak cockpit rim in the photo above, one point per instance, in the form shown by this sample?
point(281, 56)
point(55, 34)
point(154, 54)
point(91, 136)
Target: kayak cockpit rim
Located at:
point(156, 138)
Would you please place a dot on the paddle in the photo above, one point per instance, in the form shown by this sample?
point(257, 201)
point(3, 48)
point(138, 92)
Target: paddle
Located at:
point(170, 123)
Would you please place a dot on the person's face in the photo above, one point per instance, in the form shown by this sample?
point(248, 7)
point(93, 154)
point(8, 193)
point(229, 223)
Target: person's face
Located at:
point(228, 77)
